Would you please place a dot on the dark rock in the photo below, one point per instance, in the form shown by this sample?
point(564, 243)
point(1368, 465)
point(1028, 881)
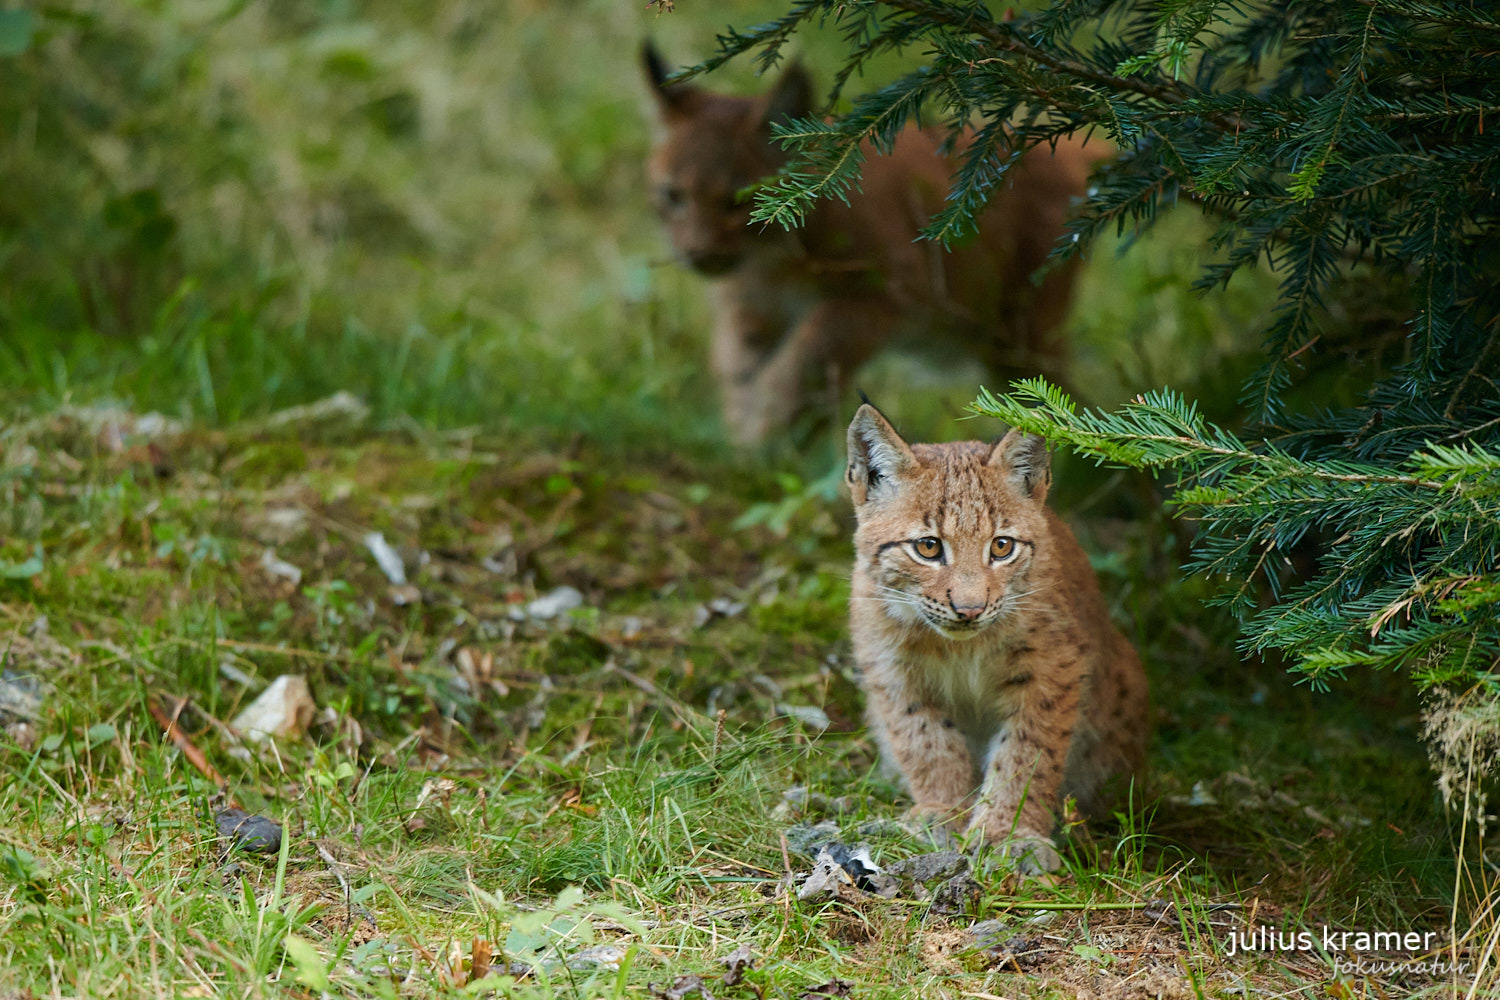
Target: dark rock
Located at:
point(988, 933)
point(248, 833)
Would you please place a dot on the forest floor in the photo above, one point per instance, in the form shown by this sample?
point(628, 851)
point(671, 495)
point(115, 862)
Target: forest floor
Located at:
point(582, 716)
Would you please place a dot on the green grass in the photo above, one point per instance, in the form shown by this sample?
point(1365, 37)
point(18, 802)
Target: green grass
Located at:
point(435, 214)
point(598, 759)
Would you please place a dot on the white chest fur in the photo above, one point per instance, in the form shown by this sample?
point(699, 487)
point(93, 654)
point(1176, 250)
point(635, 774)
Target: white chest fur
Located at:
point(972, 684)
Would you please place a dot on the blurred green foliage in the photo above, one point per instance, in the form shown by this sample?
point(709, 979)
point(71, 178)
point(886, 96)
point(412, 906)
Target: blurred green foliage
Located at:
point(216, 209)
point(283, 199)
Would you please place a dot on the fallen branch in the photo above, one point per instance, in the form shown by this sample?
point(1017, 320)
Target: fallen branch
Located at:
point(189, 750)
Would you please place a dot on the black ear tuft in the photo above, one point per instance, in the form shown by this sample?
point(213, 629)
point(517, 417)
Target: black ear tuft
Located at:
point(656, 67)
point(791, 97)
point(877, 455)
point(670, 95)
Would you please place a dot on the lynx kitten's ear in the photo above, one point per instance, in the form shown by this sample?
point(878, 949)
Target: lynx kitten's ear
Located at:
point(1027, 466)
point(668, 96)
point(791, 97)
point(877, 456)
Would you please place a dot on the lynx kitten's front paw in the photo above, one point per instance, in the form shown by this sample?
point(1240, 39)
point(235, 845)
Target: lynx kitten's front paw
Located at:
point(929, 814)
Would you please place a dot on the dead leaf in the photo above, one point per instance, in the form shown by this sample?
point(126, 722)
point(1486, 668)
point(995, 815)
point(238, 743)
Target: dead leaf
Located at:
point(737, 962)
point(404, 595)
point(341, 409)
point(283, 709)
point(827, 880)
point(275, 566)
point(572, 799)
point(387, 558)
point(1016, 954)
point(719, 607)
point(479, 962)
point(477, 668)
point(556, 602)
point(681, 986)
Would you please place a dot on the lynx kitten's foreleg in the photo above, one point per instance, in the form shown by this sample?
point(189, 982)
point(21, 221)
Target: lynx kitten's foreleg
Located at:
point(764, 383)
point(930, 752)
point(1023, 775)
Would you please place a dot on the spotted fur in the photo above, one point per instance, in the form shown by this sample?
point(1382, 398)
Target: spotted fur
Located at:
point(997, 686)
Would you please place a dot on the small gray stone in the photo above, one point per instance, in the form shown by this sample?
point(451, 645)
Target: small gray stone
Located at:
point(20, 696)
point(801, 802)
point(889, 829)
point(809, 715)
point(556, 602)
point(804, 836)
point(988, 933)
point(925, 868)
point(601, 956)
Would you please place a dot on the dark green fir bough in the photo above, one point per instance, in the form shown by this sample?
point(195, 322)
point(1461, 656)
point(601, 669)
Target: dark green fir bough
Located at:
point(1330, 140)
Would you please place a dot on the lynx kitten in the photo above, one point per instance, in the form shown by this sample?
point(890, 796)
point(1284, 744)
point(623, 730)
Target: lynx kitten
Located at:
point(996, 683)
point(797, 313)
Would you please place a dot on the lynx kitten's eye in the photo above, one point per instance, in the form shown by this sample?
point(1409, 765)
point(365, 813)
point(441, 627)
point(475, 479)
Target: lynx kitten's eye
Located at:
point(928, 548)
point(1002, 547)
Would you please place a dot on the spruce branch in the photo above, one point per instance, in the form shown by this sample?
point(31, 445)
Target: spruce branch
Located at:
point(1254, 500)
point(1346, 145)
point(1004, 37)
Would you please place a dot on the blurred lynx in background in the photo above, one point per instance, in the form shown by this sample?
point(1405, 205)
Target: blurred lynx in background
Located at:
point(797, 312)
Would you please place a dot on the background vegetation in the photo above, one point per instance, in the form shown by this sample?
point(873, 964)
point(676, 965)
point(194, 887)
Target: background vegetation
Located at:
point(216, 212)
